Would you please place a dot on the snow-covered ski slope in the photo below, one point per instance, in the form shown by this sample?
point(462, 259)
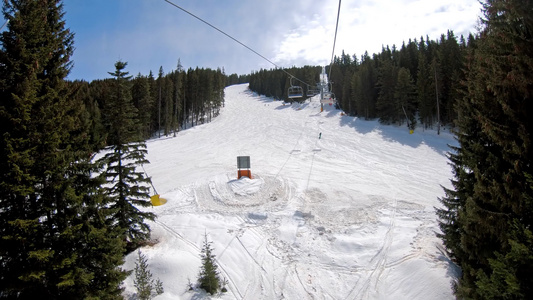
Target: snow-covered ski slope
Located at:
point(347, 216)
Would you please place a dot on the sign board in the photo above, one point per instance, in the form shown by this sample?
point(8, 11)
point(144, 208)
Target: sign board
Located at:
point(327, 98)
point(243, 162)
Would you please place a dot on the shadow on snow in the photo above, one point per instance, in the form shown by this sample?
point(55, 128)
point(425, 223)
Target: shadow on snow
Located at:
point(400, 134)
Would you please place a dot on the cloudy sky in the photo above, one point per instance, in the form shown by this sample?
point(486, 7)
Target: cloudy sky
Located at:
point(152, 33)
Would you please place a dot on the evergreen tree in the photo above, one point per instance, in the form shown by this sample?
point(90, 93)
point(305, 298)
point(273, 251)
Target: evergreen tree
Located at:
point(405, 59)
point(143, 282)
point(143, 102)
point(412, 53)
point(97, 250)
point(208, 277)
point(463, 160)
point(337, 85)
point(405, 97)
point(205, 95)
point(92, 117)
point(357, 93)
point(450, 65)
point(349, 103)
point(51, 217)
point(388, 110)
point(364, 88)
point(127, 187)
point(220, 84)
point(178, 96)
point(487, 220)
point(159, 101)
point(426, 91)
point(167, 104)
point(193, 88)
point(154, 95)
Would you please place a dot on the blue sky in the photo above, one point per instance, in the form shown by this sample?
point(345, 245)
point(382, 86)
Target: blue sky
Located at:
point(152, 33)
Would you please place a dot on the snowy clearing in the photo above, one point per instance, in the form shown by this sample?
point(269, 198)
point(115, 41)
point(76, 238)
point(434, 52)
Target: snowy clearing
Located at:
point(347, 216)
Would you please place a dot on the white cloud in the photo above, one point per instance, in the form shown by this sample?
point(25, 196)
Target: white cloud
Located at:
point(368, 25)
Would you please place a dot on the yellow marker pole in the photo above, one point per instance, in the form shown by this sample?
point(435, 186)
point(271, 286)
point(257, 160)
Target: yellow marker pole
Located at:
point(155, 199)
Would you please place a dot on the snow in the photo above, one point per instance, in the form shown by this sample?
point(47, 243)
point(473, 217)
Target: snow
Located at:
point(347, 216)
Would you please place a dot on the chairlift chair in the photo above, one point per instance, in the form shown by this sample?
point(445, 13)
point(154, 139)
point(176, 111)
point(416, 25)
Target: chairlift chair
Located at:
point(312, 92)
point(295, 91)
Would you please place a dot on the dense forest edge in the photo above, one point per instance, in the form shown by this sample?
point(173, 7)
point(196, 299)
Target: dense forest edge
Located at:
point(68, 217)
point(418, 83)
point(164, 104)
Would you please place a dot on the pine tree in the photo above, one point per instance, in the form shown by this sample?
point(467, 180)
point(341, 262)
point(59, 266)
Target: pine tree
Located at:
point(387, 109)
point(450, 64)
point(127, 186)
point(51, 217)
point(463, 160)
point(208, 277)
point(177, 78)
point(349, 104)
point(220, 84)
point(404, 96)
point(167, 104)
point(193, 88)
point(143, 102)
point(364, 88)
point(337, 79)
point(426, 91)
point(487, 218)
point(98, 249)
point(143, 282)
point(92, 118)
point(357, 92)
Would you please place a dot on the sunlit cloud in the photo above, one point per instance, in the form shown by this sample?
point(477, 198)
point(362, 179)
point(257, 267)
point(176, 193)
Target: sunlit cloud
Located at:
point(369, 25)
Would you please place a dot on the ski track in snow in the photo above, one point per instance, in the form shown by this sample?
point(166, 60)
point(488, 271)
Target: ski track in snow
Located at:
point(347, 216)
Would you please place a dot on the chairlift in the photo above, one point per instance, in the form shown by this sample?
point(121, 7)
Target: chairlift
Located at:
point(295, 91)
point(312, 92)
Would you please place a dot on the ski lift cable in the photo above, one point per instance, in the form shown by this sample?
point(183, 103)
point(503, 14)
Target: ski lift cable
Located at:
point(234, 39)
point(4, 25)
point(151, 183)
point(334, 39)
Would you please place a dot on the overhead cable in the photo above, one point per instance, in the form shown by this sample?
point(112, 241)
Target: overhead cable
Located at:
point(334, 40)
point(4, 25)
point(234, 39)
